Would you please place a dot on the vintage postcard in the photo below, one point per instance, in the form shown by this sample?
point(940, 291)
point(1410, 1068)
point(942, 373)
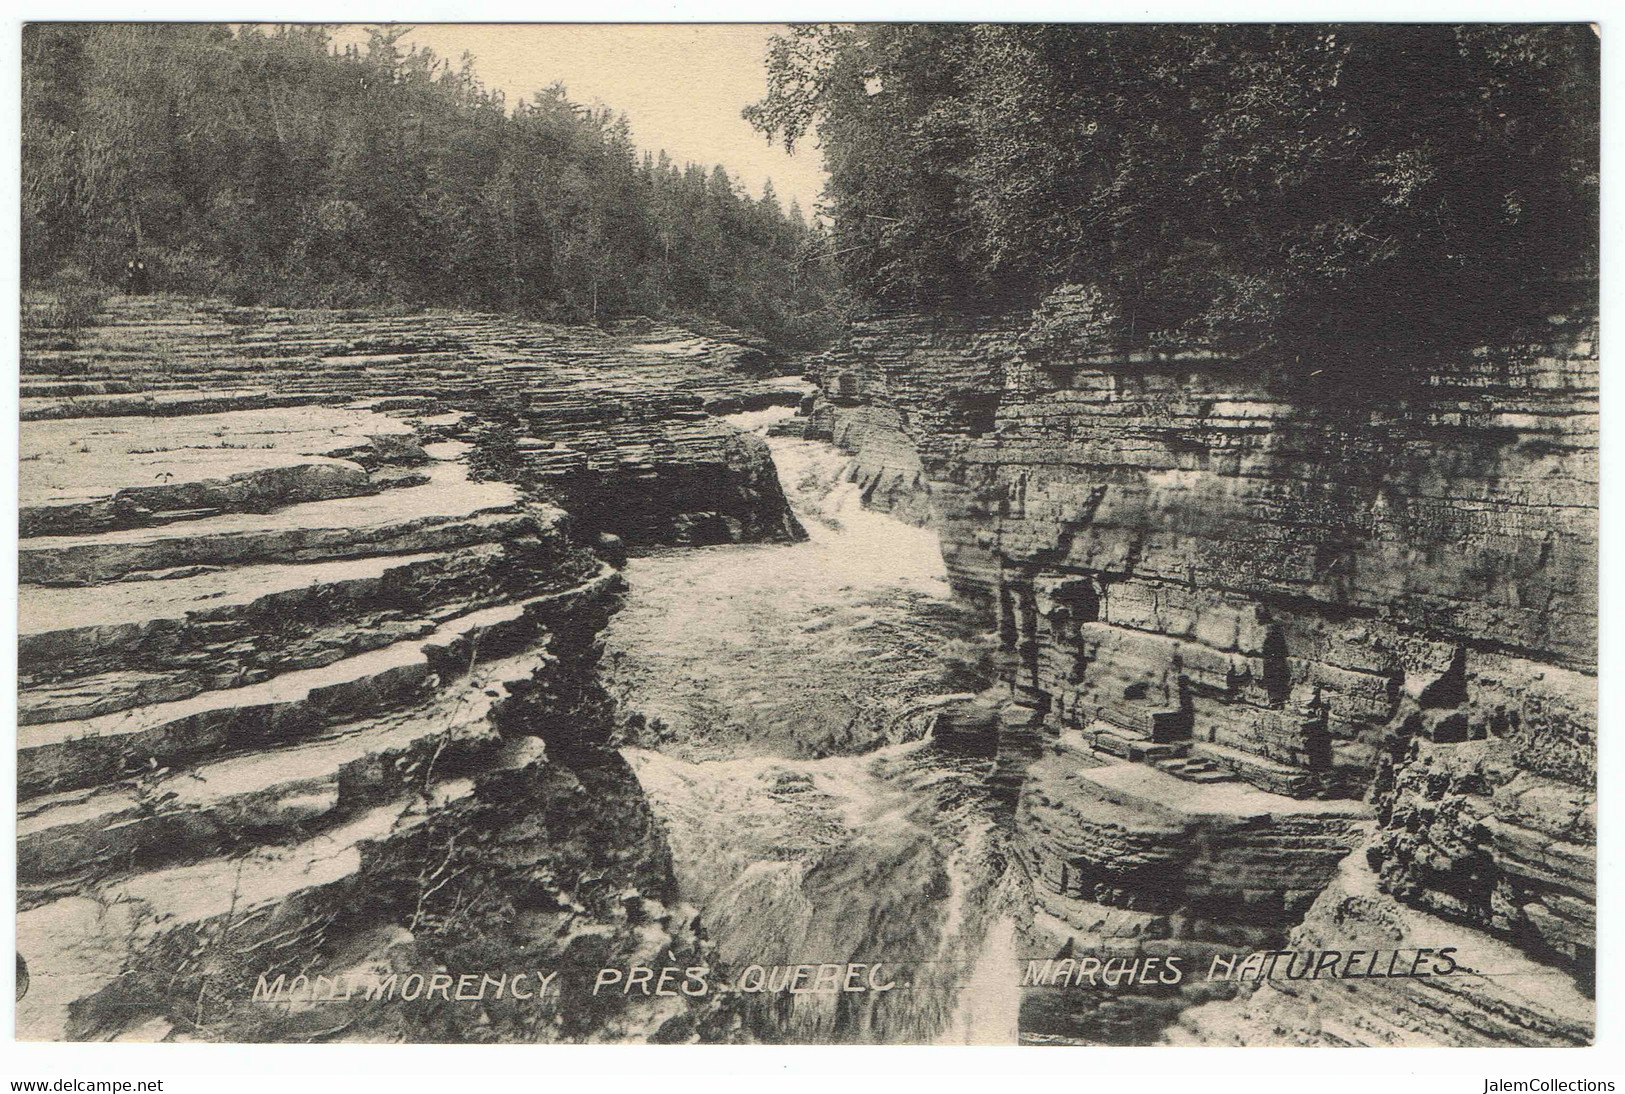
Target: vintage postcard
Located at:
point(902, 533)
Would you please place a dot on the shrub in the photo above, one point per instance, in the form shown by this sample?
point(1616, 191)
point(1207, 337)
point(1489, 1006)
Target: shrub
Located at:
point(73, 299)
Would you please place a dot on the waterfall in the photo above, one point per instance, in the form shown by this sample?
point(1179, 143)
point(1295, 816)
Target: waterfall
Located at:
point(773, 698)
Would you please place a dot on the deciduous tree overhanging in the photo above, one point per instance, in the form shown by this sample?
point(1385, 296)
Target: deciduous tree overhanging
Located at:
point(261, 164)
point(1265, 189)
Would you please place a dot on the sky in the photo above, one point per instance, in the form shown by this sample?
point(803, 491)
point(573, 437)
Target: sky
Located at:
point(682, 86)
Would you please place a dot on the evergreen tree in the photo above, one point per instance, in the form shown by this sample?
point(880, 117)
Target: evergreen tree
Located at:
point(262, 163)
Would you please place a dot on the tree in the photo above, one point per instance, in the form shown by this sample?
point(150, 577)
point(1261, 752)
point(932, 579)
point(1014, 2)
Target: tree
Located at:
point(265, 164)
point(1274, 190)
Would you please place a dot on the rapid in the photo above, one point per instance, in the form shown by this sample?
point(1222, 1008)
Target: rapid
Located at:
point(776, 702)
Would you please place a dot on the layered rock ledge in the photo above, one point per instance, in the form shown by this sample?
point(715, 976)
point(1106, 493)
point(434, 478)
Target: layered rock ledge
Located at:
point(617, 425)
point(1381, 591)
point(308, 678)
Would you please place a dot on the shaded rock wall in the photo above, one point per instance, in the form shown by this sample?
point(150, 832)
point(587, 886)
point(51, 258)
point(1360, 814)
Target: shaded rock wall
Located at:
point(1090, 839)
point(1125, 863)
point(1315, 588)
point(655, 470)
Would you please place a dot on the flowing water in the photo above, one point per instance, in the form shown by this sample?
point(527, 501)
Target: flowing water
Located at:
point(776, 699)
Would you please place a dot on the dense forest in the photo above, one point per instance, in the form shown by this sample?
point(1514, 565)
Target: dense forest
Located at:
point(1261, 188)
point(1267, 189)
point(264, 165)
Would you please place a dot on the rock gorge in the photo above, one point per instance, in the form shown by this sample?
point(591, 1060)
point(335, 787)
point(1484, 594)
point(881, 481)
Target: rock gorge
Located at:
point(310, 620)
point(1292, 660)
point(309, 629)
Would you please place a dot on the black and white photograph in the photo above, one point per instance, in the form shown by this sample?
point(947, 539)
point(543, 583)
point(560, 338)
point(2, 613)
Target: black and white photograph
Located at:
point(883, 533)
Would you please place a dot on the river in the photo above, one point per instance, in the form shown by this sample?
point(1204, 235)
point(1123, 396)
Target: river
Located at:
point(775, 702)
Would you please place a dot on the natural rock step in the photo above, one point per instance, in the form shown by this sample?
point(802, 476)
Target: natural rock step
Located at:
point(76, 388)
point(1558, 863)
point(385, 403)
point(50, 404)
point(299, 478)
point(445, 512)
point(258, 796)
point(1131, 744)
point(216, 625)
point(308, 430)
point(89, 751)
point(80, 945)
point(97, 474)
point(73, 754)
point(105, 693)
point(1266, 774)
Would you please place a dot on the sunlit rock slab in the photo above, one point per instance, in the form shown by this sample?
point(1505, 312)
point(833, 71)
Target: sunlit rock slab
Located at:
point(89, 474)
point(445, 511)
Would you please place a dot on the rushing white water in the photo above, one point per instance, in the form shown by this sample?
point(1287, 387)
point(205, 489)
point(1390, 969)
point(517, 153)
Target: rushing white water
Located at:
point(988, 1006)
point(833, 645)
point(778, 694)
point(757, 421)
point(848, 543)
point(854, 545)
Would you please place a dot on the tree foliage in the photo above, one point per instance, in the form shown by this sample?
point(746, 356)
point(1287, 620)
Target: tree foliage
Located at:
point(262, 163)
point(1264, 188)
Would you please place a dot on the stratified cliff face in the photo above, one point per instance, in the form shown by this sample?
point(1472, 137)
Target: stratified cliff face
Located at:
point(308, 672)
point(1324, 591)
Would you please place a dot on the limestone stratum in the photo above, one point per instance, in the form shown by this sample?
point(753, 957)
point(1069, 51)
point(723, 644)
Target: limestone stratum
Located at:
point(1280, 661)
point(310, 682)
point(283, 640)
